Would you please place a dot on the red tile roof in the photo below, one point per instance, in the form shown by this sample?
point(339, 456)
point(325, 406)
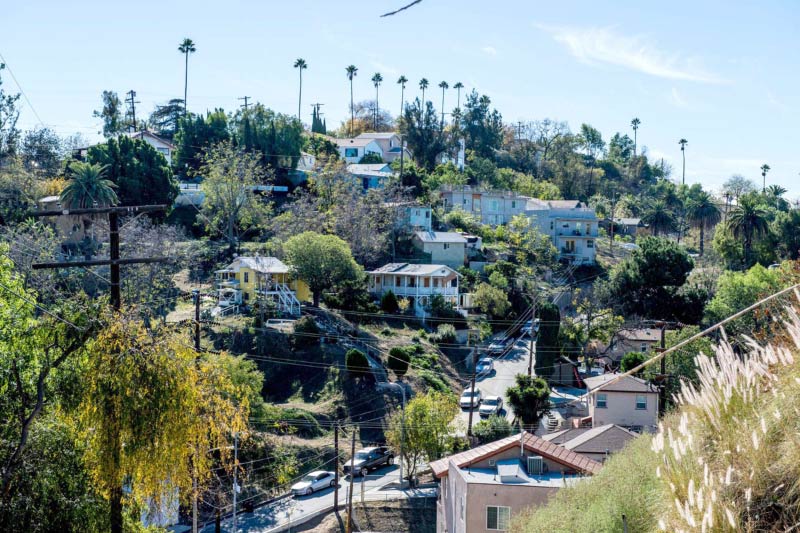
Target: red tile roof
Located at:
point(532, 443)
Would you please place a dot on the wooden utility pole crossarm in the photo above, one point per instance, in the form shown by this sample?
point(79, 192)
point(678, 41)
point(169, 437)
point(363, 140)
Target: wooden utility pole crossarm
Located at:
point(125, 210)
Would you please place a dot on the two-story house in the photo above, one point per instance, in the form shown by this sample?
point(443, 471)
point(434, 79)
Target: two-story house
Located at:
point(417, 284)
point(482, 488)
point(630, 402)
point(411, 216)
point(248, 280)
point(352, 150)
point(389, 143)
point(444, 247)
point(493, 208)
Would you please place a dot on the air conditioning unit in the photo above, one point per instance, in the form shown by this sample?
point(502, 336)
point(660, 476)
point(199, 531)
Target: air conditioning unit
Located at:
point(535, 465)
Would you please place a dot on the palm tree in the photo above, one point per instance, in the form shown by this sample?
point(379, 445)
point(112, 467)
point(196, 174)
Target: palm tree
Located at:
point(402, 80)
point(444, 86)
point(186, 47)
point(747, 221)
point(659, 217)
point(774, 194)
point(423, 84)
point(88, 186)
point(683, 143)
point(764, 169)
point(377, 79)
point(635, 125)
point(458, 86)
point(701, 212)
point(300, 64)
point(351, 70)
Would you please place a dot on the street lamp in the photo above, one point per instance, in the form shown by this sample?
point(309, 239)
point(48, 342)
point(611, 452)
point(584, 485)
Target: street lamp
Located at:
point(402, 428)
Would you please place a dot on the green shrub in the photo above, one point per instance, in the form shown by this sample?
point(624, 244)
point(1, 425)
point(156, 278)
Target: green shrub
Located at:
point(306, 425)
point(389, 303)
point(631, 360)
point(357, 363)
point(433, 381)
point(445, 334)
point(491, 429)
point(399, 358)
point(306, 332)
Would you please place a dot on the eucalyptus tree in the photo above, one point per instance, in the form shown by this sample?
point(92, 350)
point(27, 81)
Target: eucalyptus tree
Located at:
point(301, 65)
point(377, 79)
point(186, 47)
point(352, 71)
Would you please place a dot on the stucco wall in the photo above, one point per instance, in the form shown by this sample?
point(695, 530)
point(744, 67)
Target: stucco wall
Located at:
point(621, 410)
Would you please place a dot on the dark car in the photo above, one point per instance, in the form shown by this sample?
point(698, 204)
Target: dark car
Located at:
point(369, 459)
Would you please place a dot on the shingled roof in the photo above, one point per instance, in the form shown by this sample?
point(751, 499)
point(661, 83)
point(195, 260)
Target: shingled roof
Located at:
point(531, 443)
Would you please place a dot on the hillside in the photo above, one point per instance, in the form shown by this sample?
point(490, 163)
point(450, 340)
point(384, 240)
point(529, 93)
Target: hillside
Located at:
point(727, 459)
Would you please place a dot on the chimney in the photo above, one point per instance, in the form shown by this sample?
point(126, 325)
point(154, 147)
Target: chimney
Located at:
point(521, 440)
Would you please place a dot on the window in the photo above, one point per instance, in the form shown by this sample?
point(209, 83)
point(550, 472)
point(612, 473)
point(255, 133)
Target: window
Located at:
point(494, 205)
point(602, 401)
point(643, 347)
point(465, 201)
point(446, 246)
point(641, 402)
point(246, 296)
point(426, 282)
point(590, 244)
point(498, 517)
point(247, 277)
point(351, 152)
point(551, 225)
point(427, 214)
point(163, 151)
point(565, 225)
point(513, 204)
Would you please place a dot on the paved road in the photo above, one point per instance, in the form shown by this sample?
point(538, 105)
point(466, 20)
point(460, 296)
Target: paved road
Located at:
point(505, 369)
point(266, 518)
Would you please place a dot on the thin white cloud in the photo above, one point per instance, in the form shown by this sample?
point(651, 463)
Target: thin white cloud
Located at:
point(595, 45)
point(382, 68)
point(775, 102)
point(677, 100)
point(489, 50)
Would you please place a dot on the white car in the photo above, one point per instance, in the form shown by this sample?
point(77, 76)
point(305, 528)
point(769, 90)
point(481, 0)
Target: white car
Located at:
point(491, 405)
point(314, 481)
point(468, 399)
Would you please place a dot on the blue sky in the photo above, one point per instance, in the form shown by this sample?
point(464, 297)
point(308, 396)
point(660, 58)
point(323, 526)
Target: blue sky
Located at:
point(724, 75)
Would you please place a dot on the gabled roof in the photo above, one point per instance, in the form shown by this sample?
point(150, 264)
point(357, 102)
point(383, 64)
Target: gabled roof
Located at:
point(601, 439)
point(349, 143)
point(629, 221)
point(440, 236)
point(145, 133)
point(531, 443)
point(377, 135)
point(265, 265)
point(408, 269)
point(565, 204)
point(640, 334)
point(355, 168)
point(626, 384)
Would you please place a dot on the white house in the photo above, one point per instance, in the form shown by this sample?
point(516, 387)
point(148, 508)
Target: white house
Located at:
point(416, 283)
point(389, 143)
point(630, 402)
point(352, 150)
point(447, 248)
point(162, 146)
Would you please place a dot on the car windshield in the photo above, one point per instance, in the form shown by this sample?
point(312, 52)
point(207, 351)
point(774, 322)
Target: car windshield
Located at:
point(490, 401)
point(467, 393)
point(362, 455)
point(308, 479)
point(485, 362)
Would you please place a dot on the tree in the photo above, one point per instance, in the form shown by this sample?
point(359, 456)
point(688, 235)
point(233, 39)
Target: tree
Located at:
point(774, 194)
point(620, 149)
point(481, 126)
point(113, 123)
point(9, 114)
point(592, 142)
point(458, 86)
point(276, 138)
point(141, 173)
point(683, 143)
point(322, 261)
point(196, 135)
point(737, 186)
point(352, 71)
point(401, 81)
point(659, 218)
point(702, 211)
point(423, 84)
point(301, 65)
point(186, 47)
point(529, 398)
point(423, 135)
point(399, 359)
point(389, 303)
point(738, 290)
point(592, 321)
point(41, 152)
point(635, 125)
point(491, 300)
point(165, 118)
point(425, 434)
point(494, 428)
point(357, 363)
point(764, 169)
point(88, 187)
point(631, 360)
point(443, 86)
point(748, 221)
point(377, 79)
point(231, 206)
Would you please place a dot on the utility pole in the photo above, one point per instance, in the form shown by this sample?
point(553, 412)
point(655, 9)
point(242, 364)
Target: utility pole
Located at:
point(131, 101)
point(472, 387)
point(533, 335)
point(519, 130)
point(235, 469)
point(611, 225)
point(245, 104)
point(196, 296)
point(663, 390)
point(349, 525)
point(336, 468)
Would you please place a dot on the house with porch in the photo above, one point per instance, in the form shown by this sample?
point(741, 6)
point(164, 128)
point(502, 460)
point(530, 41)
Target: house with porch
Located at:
point(418, 284)
point(483, 488)
point(259, 280)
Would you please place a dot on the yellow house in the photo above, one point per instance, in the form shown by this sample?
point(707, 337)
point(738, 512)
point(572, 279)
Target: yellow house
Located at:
point(248, 279)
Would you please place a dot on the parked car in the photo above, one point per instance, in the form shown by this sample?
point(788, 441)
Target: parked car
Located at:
point(531, 327)
point(369, 459)
point(320, 479)
point(470, 399)
point(484, 366)
point(491, 405)
point(498, 347)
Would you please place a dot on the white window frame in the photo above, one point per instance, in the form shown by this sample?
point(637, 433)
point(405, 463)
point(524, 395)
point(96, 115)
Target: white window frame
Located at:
point(604, 400)
point(643, 347)
point(643, 407)
point(499, 521)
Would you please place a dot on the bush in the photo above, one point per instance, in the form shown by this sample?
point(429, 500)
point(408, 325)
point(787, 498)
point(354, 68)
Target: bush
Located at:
point(493, 428)
point(306, 332)
point(433, 381)
point(357, 363)
point(389, 303)
point(399, 358)
point(631, 360)
point(306, 425)
point(445, 334)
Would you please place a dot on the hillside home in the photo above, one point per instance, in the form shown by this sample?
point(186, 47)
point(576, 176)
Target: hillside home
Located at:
point(571, 225)
point(596, 443)
point(71, 228)
point(630, 402)
point(389, 143)
point(248, 280)
point(352, 150)
point(447, 248)
point(482, 488)
point(417, 283)
point(371, 175)
point(625, 226)
point(642, 340)
point(162, 146)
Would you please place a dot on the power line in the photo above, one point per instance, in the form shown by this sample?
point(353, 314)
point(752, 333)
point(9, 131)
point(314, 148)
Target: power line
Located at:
point(3, 60)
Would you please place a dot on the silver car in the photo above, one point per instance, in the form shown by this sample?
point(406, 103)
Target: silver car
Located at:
point(468, 399)
point(491, 405)
point(320, 479)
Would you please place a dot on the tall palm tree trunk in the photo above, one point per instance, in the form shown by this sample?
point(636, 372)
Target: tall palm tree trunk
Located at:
point(185, 82)
point(352, 108)
point(702, 237)
point(377, 107)
point(300, 96)
point(683, 176)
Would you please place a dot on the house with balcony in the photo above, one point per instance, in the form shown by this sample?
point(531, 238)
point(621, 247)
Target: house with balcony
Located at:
point(445, 247)
point(483, 488)
point(418, 284)
point(630, 402)
point(249, 281)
